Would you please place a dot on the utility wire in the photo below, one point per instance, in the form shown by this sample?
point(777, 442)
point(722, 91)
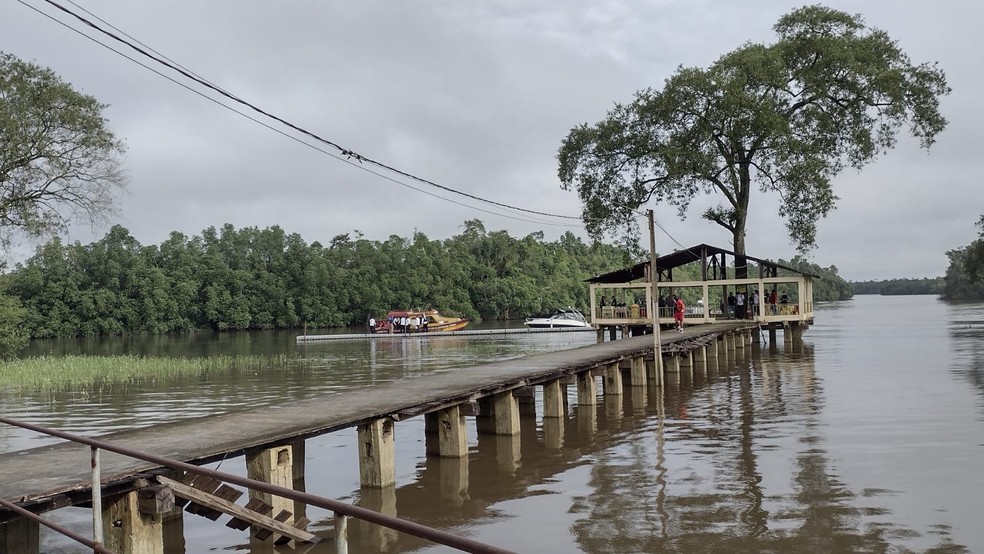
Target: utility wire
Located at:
point(348, 153)
point(289, 136)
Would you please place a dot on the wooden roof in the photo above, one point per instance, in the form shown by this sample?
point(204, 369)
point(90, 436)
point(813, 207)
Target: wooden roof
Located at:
point(677, 259)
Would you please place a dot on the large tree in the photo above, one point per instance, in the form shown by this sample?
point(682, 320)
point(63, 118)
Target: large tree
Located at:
point(59, 161)
point(786, 117)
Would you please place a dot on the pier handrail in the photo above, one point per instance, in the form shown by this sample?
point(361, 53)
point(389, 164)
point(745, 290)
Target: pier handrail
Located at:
point(338, 507)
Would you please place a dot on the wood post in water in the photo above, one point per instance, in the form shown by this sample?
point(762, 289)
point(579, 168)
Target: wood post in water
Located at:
point(377, 454)
point(613, 380)
point(20, 535)
point(553, 399)
point(125, 529)
point(587, 389)
point(600, 332)
point(637, 374)
point(671, 363)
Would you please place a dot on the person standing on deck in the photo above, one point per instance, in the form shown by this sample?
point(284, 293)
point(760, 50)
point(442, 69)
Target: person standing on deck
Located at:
point(678, 308)
point(372, 324)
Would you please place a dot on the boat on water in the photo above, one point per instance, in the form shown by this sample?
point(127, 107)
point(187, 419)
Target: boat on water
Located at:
point(429, 321)
point(570, 318)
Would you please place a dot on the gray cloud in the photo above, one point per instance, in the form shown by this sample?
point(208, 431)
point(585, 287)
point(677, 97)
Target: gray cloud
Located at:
point(476, 96)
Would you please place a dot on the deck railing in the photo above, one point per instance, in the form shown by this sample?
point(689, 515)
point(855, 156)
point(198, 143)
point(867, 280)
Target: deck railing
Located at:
point(341, 510)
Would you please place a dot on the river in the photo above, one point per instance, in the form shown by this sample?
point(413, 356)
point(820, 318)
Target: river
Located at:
point(867, 436)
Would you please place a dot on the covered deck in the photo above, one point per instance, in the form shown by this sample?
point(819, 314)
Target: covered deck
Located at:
point(624, 298)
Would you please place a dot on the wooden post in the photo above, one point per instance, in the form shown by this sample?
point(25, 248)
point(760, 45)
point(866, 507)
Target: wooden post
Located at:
point(506, 414)
point(586, 389)
point(274, 466)
point(553, 399)
point(377, 454)
point(637, 374)
point(671, 364)
point(740, 340)
point(611, 332)
point(20, 535)
point(125, 529)
point(600, 332)
point(613, 380)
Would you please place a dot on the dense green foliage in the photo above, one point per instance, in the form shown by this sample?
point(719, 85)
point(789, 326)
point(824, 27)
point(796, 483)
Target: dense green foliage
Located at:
point(58, 159)
point(13, 335)
point(965, 275)
point(899, 286)
point(261, 279)
point(829, 285)
point(784, 118)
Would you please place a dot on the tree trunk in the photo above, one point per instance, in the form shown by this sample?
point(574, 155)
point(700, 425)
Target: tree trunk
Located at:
point(741, 263)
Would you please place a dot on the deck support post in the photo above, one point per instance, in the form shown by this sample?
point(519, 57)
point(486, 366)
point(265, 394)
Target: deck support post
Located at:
point(729, 343)
point(651, 368)
point(452, 438)
point(274, 466)
point(711, 349)
point(671, 364)
point(377, 454)
point(553, 399)
point(613, 380)
point(637, 374)
point(740, 340)
point(506, 412)
point(600, 335)
point(587, 389)
point(700, 354)
point(20, 535)
point(125, 529)
point(611, 332)
point(687, 358)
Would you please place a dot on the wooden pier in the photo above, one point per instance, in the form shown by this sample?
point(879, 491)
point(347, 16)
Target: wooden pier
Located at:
point(55, 476)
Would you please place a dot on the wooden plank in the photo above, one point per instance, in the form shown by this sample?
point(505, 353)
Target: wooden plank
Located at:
point(264, 534)
point(256, 505)
point(233, 509)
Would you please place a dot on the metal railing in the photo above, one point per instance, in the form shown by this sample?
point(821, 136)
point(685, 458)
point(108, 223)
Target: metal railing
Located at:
point(341, 510)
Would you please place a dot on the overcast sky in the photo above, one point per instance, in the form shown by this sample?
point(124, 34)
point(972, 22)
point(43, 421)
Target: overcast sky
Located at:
point(477, 96)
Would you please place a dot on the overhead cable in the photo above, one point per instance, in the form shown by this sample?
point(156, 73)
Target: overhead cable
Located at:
point(345, 152)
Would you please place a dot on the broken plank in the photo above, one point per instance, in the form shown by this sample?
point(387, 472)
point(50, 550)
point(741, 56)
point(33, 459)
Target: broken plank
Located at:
point(235, 510)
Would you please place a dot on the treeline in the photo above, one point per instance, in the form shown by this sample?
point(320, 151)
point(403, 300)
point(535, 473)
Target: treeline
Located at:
point(899, 286)
point(964, 280)
point(250, 278)
point(828, 286)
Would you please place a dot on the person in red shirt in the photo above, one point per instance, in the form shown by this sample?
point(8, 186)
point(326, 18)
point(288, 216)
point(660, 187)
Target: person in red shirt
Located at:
point(678, 309)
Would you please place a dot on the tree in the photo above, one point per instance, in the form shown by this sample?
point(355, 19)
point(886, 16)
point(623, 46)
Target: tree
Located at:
point(785, 118)
point(59, 162)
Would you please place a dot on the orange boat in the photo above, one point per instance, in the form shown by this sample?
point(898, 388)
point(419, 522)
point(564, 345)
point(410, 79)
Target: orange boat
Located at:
point(432, 321)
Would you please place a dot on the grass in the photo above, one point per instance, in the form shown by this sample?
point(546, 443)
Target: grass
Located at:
point(88, 373)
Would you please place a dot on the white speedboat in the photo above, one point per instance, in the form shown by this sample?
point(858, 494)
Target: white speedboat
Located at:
point(569, 318)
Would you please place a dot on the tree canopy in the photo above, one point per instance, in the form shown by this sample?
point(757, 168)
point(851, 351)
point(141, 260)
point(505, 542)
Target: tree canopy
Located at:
point(59, 161)
point(785, 118)
point(964, 278)
point(250, 278)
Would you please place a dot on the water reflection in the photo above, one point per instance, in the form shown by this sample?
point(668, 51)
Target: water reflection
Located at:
point(860, 439)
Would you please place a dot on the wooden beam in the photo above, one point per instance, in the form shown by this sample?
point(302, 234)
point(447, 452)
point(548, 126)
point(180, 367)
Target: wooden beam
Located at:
point(235, 510)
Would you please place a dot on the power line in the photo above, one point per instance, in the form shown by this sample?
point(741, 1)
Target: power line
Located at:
point(347, 153)
point(289, 136)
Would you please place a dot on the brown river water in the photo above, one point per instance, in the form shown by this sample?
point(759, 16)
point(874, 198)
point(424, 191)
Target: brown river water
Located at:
point(868, 436)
